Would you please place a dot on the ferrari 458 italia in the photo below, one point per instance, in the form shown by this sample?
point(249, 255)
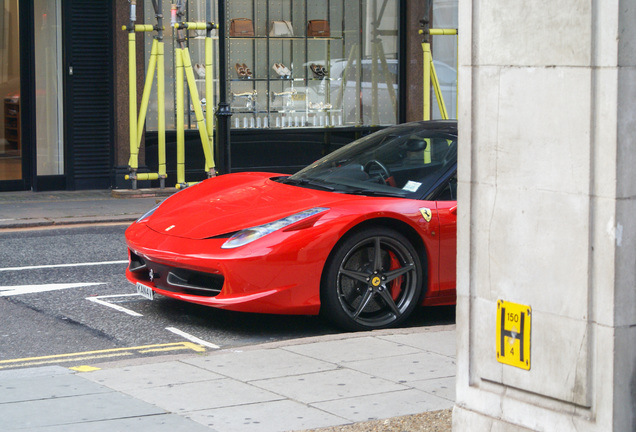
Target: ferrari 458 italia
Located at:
point(363, 236)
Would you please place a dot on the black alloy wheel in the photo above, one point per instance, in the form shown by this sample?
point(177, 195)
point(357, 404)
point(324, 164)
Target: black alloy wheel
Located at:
point(373, 280)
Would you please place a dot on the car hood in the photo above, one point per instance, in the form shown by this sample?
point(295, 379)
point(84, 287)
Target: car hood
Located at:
point(233, 202)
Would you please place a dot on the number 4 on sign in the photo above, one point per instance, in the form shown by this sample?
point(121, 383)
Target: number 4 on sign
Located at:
point(513, 334)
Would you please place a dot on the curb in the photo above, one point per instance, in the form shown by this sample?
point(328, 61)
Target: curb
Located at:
point(142, 193)
point(44, 223)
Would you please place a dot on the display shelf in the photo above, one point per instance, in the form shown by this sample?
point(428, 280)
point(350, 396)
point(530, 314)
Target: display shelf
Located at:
point(299, 98)
point(12, 125)
point(291, 38)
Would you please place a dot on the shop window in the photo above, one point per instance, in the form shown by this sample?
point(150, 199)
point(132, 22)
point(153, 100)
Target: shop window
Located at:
point(48, 93)
point(10, 135)
point(301, 63)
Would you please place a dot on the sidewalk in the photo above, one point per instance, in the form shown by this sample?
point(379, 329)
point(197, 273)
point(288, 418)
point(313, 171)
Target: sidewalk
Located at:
point(288, 386)
point(295, 385)
point(41, 209)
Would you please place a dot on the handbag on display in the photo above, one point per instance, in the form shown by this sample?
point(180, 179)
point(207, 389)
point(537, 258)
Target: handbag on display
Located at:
point(241, 27)
point(318, 28)
point(281, 28)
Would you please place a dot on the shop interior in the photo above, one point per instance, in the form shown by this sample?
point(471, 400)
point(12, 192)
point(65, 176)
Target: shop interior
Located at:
point(10, 145)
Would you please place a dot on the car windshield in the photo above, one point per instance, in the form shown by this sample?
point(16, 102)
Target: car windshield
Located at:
point(403, 161)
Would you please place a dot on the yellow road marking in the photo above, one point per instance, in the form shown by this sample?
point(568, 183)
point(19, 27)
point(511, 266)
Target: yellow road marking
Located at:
point(88, 355)
point(185, 345)
point(35, 362)
point(85, 368)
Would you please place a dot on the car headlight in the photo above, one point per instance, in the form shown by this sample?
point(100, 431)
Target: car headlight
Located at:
point(248, 235)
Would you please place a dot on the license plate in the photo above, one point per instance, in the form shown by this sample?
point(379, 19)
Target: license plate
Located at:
point(145, 291)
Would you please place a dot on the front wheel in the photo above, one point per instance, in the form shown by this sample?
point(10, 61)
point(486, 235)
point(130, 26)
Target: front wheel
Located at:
point(373, 280)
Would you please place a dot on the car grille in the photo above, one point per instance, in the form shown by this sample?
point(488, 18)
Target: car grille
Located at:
point(175, 279)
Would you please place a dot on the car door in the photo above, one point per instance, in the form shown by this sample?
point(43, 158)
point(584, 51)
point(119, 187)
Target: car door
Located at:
point(447, 214)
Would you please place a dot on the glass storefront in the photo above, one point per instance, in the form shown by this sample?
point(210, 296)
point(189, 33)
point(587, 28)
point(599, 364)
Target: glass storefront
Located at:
point(444, 50)
point(48, 128)
point(332, 63)
point(10, 136)
point(48, 87)
point(331, 67)
point(313, 64)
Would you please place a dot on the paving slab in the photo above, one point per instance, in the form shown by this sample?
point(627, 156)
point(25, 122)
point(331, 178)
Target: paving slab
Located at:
point(34, 371)
point(384, 405)
point(441, 387)
point(276, 416)
point(46, 387)
point(185, 398)
point(147, 376)
point(407, 368)
point(154, 423)
point(73, 409)
point(354, 349)
point(260, 364)
point(328, 385)
point(433, 341)
point(53, 398)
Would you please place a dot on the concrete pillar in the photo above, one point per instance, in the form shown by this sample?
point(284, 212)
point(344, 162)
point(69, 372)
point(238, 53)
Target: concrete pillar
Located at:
point(547, 213)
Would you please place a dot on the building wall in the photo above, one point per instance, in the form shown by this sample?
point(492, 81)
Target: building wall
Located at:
point(547, 124)
point(121, 84)
point(415, 10)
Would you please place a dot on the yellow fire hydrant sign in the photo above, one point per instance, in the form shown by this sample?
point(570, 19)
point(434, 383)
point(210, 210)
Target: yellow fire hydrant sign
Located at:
point(513, 334)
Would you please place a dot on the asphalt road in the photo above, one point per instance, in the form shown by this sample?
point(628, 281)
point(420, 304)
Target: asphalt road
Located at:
point(64, 300)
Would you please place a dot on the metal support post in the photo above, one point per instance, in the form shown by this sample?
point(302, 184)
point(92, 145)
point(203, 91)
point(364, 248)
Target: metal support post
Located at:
point(132, 94)
point(180, 112)
point(186, 64)
point(156, 62)
point(161, 90)
point(209, 82)
point(223, 112)
point(429, 75)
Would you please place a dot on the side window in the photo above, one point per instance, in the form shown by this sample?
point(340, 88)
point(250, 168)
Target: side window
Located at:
point(449, 191)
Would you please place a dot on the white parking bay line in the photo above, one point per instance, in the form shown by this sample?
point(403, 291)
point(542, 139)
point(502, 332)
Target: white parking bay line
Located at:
point(98, 300)
point(6, 291)
point(191, 338)
point(62, 265)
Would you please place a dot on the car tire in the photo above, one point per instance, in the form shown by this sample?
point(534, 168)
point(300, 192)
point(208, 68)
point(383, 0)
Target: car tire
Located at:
point(372, 280)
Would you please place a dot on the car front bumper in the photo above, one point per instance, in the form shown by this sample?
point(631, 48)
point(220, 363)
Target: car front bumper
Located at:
point(280, 274)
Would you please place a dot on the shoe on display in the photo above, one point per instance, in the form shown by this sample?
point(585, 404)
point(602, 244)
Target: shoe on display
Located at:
point(248, 72)
point(281, 70)
point(318, 70)
point(240, 71)
point(243, 71)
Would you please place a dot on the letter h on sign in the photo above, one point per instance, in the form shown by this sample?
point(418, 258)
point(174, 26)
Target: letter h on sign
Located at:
point(513, 334)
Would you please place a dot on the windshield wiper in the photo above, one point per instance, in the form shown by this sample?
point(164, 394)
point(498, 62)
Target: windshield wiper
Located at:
point(307, 182)
point(375, 193)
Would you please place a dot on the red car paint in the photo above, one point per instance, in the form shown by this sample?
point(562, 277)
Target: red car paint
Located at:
point(279, 273)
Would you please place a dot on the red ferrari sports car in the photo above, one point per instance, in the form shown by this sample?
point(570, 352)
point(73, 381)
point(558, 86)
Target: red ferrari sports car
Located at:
point(363, 236)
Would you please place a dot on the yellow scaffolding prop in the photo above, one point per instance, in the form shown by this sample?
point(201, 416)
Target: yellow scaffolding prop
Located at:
point(430, 75)
point(156, 63)
point(184, 70)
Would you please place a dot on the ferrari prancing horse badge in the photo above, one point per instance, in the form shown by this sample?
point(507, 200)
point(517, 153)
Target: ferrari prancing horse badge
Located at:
point(426, 213)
